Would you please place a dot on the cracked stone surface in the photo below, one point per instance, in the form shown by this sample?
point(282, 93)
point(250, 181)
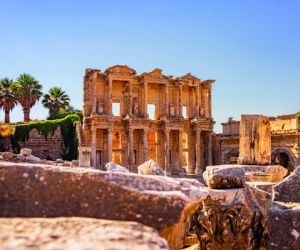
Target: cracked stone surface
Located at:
point(77, 233)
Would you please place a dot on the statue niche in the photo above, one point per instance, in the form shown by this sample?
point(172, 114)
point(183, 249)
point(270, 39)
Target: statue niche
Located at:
point(135, 106)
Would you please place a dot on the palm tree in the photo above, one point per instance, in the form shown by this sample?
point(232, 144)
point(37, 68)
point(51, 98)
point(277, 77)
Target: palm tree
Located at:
point(29, 92)
point(8, 98)
point(56, 100)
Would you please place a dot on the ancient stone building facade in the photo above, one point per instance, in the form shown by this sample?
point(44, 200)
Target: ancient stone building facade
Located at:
point(130, 118)
point(285, 141)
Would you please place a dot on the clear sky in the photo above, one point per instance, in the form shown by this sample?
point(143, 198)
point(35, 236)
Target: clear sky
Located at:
point(250, 47)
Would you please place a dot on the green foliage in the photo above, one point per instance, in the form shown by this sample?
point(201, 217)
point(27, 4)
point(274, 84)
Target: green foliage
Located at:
point(67, 126)
point(55, 100)
point(64, 112)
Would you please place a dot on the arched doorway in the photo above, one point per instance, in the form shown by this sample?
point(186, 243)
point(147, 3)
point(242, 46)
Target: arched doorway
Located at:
point(284, 158)
point(232, 157)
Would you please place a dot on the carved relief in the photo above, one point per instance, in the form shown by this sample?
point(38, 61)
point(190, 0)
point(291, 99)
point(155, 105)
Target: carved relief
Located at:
point(233, 226)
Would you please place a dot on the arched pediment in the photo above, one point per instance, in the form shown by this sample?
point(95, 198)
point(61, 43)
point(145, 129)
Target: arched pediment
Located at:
point(155, 74)
point(120, 69)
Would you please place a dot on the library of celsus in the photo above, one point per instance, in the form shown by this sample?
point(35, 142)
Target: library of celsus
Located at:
point(130, 118)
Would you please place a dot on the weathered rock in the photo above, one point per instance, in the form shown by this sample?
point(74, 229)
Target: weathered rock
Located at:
point(284, 226)
point(31, 158)
point(265, 186)
point(277, 172)
point(288, 190)
point(74, 164)
point(150, 167)
point(25, 151)
point(59, 160)
point(233, 219)
point(8, 156)
point(261, 177)
point(20, 157)
point(77, 233)
point(29, 190)
point(113, 167)
point(225, 177)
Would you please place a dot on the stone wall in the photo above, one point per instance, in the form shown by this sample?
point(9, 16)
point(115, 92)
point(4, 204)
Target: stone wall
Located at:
point(50, 148)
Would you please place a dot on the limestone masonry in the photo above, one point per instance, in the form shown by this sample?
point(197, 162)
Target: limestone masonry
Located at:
point(130, 118)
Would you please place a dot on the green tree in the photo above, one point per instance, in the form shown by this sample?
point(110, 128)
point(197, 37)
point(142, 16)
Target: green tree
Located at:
point(8, 99)
point(55, 100)
point(29, 91)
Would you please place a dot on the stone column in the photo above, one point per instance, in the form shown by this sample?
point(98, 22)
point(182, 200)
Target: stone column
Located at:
point(167, 98)
point(94, 103)
point(109, 94)
point(94, 134)
point(130, 148)
point(109, 144)
point(130, 97)
point(180, 153)
point(209, 148)
point(198, 101)
point(198, 152)
point(180, 100)
point(145, 143)
point(167, 148)
point(145, 98)
point(209, 103)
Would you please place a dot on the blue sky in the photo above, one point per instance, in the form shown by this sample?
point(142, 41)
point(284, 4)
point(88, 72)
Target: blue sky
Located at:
point(251, 48)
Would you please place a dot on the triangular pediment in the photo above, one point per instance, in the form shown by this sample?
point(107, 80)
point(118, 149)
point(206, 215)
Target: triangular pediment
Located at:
point(120, 69)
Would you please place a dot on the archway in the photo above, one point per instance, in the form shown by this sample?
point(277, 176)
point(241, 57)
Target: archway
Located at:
point(284, 158)
point(232, 157)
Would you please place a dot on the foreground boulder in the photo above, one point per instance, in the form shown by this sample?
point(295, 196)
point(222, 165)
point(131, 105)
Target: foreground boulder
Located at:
point(289, 189)
point(166, 204)
point(284, 226)
point(277, 172)
point(77, 233)
point(113, 167)
point(150, 168)
point(284, 214)
point(225, 177)
point(233, 219)
point(25, 151)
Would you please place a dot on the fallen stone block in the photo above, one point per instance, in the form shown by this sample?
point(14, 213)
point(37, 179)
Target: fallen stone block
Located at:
point(277, 172)
point(288, 190)
point(30, 190)
point(25, 151)
point(77, 233)
point(233, 219)
point(8, 156)
point(225, 177)
point(150, 168)
point(284, 226)
point(113, 167)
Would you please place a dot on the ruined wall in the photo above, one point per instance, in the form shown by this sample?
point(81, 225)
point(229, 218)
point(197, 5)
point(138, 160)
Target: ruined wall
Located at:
point(50, 148)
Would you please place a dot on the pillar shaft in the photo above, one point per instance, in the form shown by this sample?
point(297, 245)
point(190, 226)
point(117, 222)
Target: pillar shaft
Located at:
point(198, 101)
point(145, 143)
point(180, 100)
point(180, 149)
point(167, 99)
point(167, 148)
point(109, 110)
point(109, 145)
point(198, 152)
point(145, 98)
point(93, 155)
point(130, 148)
point(130, 97)
point(209, 149)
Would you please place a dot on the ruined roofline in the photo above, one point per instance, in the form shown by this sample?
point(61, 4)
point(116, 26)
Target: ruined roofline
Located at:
point(155, 75)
